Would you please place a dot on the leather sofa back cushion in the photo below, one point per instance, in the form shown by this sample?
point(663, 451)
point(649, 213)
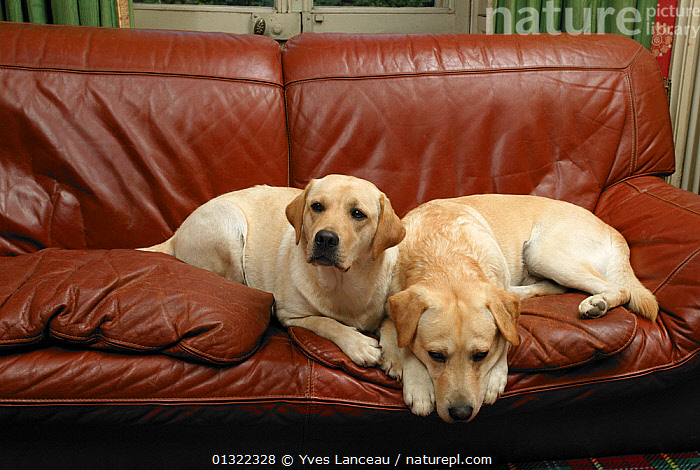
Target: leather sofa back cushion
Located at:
point(114, 144)
point(129, 301)
point(427, 117)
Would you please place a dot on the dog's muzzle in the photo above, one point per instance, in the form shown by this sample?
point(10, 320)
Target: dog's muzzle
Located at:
point(325, 250)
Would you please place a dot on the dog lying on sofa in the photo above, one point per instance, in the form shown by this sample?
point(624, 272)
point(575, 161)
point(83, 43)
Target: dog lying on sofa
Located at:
point(326, 253)
point(464, 266)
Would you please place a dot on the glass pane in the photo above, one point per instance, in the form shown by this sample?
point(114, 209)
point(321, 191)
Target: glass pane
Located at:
point(374, 3)
point(237, 3)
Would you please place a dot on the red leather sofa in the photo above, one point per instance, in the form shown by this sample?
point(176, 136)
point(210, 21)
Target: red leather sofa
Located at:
point(110, 138)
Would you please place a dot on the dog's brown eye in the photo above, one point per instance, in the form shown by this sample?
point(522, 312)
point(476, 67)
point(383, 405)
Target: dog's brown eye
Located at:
point(317, 207)
point(357, 214)
point(437, 357)
point(480, 356)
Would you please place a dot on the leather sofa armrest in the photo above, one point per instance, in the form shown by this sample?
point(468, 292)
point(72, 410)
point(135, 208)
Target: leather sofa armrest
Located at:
point(661, 224)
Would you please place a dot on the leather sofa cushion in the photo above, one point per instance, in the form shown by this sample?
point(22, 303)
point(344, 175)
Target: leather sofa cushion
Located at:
point(329, 354)
point(552, 337)
point(129, 301)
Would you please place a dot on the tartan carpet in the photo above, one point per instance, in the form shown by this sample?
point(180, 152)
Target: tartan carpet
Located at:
point(671, 461)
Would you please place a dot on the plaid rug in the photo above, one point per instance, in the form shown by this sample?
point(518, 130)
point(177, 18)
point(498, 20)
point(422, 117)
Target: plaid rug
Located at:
point(677, 461)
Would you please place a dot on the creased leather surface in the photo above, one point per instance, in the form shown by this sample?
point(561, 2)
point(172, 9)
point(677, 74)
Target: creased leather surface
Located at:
point(428, 117)
point(115, 50)
point(312, 56)
point(329, 354)
point(553, 336)
point(129, 301)
point(662, 226)
point(277, 373)
point(111, 138)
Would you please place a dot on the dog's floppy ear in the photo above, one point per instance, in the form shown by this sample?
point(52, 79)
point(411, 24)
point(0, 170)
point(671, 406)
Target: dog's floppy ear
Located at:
point(295, 211)
point(390, 229)
point(406, 308)
point(505, 307)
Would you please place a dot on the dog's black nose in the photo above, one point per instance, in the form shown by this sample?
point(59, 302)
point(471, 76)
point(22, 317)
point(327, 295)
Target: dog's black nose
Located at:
point(326, 239)
point(461, 412)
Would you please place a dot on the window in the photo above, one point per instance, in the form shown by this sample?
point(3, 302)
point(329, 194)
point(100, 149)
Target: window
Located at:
point(282, 19)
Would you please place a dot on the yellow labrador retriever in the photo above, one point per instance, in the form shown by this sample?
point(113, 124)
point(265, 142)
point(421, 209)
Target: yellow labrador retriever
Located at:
point(464, 266)
point(326, 253)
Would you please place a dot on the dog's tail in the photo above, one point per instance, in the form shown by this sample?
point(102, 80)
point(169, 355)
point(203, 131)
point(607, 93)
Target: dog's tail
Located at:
point(642, 301)
point(165, 247)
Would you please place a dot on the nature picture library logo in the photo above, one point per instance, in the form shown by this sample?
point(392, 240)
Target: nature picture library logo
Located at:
point(628, 21)
point(672, 11)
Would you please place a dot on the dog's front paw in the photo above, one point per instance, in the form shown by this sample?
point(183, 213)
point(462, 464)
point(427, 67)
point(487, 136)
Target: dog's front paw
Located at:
point(362, 349)
point(391, 364)
point(498, 377)
point(419, 396)
point(494, 388)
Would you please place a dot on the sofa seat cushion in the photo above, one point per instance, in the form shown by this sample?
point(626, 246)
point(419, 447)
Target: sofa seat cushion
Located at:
point(552, 336)
point(129, 301)
point(278, 384)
